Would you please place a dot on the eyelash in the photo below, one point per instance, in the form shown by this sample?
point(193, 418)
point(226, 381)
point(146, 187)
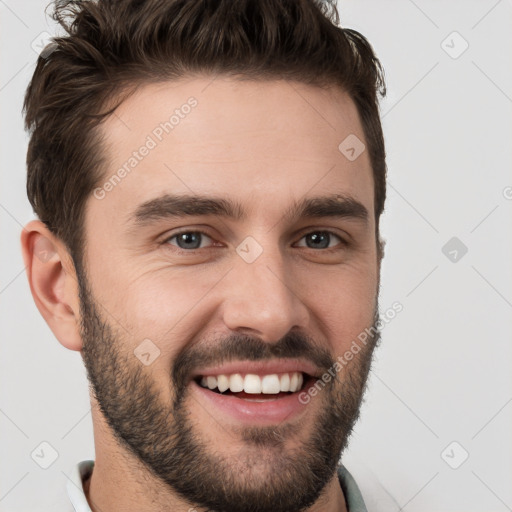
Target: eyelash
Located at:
point(342, 243)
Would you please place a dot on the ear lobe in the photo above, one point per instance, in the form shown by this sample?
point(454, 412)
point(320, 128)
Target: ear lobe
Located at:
point(53, 282)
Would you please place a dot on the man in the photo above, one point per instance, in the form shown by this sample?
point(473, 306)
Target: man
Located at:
point(209, 178)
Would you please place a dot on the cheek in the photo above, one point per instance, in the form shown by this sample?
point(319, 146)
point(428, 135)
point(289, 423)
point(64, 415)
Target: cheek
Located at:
point(164, 306)
point(343, 301)
point(173, 306)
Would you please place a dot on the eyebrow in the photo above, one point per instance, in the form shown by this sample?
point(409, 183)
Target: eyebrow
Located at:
point(169, 206)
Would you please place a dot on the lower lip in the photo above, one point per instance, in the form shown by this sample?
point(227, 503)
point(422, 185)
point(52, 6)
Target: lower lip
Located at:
point(267, 412)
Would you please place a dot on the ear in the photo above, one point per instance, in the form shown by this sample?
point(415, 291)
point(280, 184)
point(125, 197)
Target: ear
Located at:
point(53, 282)
point(381, 244)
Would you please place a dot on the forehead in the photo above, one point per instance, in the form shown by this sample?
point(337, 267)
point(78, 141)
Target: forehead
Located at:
point(262, 143)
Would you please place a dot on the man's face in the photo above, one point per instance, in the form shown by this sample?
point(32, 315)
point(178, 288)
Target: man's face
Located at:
point(275, 293)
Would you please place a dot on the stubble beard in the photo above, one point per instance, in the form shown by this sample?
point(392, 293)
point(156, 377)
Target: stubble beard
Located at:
point(267, 476)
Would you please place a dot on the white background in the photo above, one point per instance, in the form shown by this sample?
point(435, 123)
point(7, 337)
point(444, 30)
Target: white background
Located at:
point(443, 372)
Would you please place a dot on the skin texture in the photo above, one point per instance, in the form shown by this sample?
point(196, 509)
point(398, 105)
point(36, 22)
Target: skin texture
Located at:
point(264, 144)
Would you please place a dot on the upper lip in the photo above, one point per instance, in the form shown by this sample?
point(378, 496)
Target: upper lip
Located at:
point(263, 367)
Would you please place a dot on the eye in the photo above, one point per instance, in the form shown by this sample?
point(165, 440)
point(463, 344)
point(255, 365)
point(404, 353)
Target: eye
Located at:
point(321, 239)
point(188, 240)
point(192, 240)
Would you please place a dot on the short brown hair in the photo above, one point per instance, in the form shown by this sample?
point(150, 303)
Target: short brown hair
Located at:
point(111, 47)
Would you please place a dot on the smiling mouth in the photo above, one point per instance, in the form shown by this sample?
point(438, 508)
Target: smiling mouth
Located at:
point(253, 387)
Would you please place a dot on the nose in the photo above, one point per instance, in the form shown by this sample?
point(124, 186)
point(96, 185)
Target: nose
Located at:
point(263, 299)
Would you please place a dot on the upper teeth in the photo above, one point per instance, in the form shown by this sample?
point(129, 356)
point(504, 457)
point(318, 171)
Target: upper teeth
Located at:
point(254, 384)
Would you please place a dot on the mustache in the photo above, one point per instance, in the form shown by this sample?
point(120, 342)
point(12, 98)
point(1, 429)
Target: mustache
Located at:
point(244, 347)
